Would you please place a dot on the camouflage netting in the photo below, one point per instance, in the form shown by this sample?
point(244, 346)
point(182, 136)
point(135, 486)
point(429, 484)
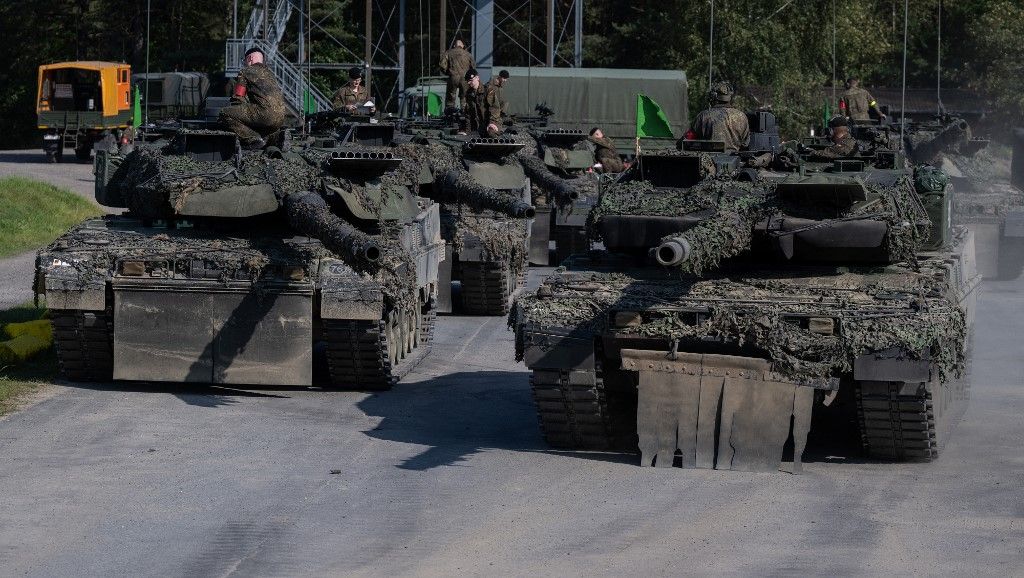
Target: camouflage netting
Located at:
point(502, 239)
point(738, 205)
point(876, 310)
point(156, 185)
point(726, 233)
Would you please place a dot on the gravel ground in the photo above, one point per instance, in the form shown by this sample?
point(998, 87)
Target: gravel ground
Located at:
point(448, 475)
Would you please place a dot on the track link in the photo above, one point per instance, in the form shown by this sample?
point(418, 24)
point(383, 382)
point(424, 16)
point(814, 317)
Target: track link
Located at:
point(374, 355)
point(897, 426)
point(85, 344)
point(487, 287)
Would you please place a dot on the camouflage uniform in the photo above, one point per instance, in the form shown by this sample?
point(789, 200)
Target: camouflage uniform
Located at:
point(724, 123)
point(494, 100)
point(349, 95)
point(475, 110)
point(454, 63)
point(260, 111)
point(858, 103)
point(605, 153)
point(843, 147)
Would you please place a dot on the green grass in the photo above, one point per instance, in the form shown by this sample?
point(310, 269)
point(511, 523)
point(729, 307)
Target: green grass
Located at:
point(33, 213)
point(16, 381)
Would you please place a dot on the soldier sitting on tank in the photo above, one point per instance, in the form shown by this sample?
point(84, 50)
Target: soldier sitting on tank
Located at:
point(858, 103)
point(257, 105)
point(353, 95)
point(607, 157)
point(494, 101)
point(722, 122)
point(842, 142)
point(474, 113)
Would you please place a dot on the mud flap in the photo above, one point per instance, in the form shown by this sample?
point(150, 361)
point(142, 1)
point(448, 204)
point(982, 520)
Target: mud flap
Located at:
point(720, 411)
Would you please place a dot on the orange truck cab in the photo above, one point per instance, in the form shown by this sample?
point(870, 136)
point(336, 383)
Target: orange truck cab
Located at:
point(79, 103)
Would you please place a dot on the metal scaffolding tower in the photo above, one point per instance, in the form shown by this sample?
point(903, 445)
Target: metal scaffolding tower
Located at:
point(384, 41)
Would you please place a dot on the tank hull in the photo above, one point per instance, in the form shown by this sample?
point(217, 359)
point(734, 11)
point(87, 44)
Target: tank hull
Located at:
point(138, 302)
point(654, 367)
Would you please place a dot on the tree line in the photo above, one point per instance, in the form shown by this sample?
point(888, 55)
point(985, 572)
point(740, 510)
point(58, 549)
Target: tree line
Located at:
point(781, 48)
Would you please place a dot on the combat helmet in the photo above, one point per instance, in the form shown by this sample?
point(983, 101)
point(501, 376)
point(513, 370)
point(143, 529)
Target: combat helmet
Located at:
point(722, 92)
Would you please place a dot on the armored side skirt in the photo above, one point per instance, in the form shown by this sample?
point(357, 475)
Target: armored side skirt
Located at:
point(212, 333)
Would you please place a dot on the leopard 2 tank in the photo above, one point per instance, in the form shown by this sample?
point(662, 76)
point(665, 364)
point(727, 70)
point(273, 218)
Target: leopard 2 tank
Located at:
point(230, 267)
point(726, 311)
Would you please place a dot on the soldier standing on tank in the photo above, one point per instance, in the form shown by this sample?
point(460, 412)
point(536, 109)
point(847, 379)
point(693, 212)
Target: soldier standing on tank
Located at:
point(353, 94)
point(843, 143)
point(495, 103)
point(257, 105)
point(605, 153)
point(474, 111)
point(858, 103)
point(455, 62)
point(723, 122)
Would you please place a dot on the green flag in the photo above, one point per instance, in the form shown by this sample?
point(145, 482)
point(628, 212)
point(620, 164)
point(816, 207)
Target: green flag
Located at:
point(137, 109)
point(826, 115)
point(650, 119)
point(435, 105)
point(308, 103)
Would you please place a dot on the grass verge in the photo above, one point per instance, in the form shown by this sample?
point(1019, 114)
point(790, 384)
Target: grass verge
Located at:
point(16, 381)
point(33, 213)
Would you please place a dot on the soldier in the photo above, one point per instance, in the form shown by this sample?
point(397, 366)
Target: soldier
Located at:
point(353, 94)
point(495, 102)
point(604, 152)
point(858, 102)
point(474, 110)
point(257, 105)
point(455, 62)
point(722, 122)
point(843, 143)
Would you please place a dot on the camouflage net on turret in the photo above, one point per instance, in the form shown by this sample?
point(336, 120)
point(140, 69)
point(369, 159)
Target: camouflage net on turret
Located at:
point(737, 205)
point(759, 312)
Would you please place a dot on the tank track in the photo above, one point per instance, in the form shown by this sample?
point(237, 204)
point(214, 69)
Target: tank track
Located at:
point(487, 287)
point(897, 427)
point(370, 355)
point(577, 411)
point(568, 241)
point(85, 344)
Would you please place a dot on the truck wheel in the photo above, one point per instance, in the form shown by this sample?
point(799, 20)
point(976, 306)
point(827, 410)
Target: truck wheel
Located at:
point(83, 154)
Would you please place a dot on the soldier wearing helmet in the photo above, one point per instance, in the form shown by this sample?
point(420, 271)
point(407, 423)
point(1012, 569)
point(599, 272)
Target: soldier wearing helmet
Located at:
point(723, 122)
point(858, 102)
point(843, 143)
point(353, 94)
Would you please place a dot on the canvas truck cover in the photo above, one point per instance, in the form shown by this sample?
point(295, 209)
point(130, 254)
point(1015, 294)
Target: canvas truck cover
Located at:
point(583, 98)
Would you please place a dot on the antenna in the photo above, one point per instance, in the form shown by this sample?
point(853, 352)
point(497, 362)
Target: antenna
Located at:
point(147, 61)
point(833, 52)
point(711, 44)
point(938, 63)
point(903, 100)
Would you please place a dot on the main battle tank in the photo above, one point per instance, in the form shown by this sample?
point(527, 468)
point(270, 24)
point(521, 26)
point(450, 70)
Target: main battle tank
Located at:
point(728, 310)
point(485, 215)
point(231, 266)
point(986, 201)
point(559, 165)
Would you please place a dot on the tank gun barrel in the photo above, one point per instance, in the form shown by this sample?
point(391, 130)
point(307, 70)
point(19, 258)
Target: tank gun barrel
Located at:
point(672, 251)
point(947, 139)
point(309, 214)
point(459, 185)
point(547, 180)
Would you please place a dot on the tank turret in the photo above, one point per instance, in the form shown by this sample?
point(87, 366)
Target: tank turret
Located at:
point(730, 304)
point(245, 261)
